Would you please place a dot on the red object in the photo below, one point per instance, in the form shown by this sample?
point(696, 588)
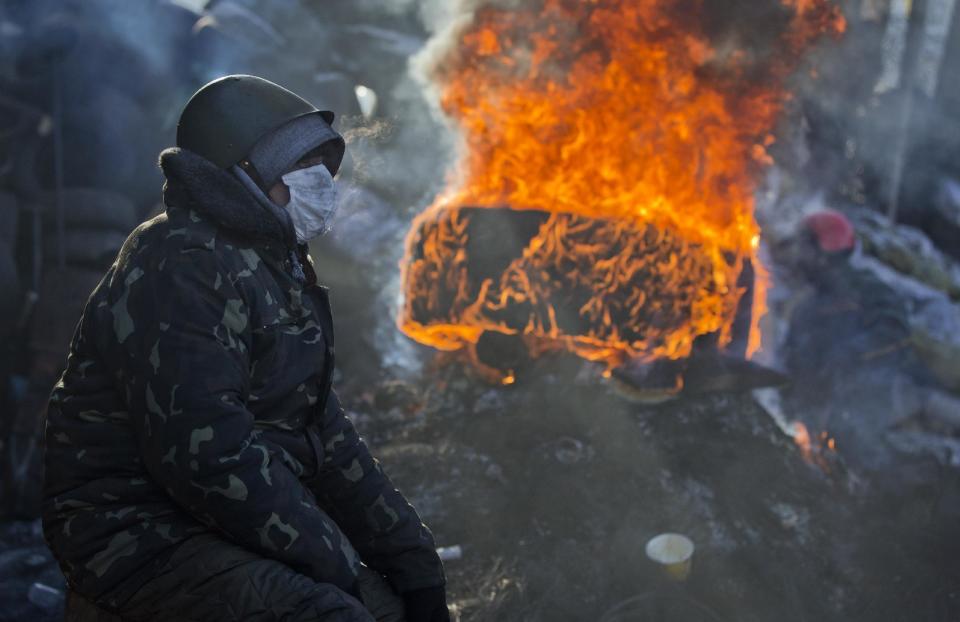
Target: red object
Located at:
point(833, 231)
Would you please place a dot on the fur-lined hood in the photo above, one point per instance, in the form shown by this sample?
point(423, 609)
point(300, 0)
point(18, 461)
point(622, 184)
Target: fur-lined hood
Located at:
point(193, 182)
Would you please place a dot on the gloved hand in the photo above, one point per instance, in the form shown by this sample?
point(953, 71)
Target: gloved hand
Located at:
point(427, 605)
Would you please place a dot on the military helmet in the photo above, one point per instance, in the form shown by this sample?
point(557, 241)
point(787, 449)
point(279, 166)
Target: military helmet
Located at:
point(225, 119)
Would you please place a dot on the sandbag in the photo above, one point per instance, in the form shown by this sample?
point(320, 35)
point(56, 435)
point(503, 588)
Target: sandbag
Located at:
point(908, 251)
point(935, 334)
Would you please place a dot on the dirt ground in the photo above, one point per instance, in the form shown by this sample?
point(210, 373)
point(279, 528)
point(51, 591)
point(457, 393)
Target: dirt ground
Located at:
point(553, 486)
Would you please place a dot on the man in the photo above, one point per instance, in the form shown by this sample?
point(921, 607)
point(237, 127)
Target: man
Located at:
point(847, 344)
point(199, 466)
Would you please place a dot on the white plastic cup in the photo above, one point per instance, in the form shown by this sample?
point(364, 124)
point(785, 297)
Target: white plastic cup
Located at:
point(44, 596)
point(450, 553)
point(673, 552)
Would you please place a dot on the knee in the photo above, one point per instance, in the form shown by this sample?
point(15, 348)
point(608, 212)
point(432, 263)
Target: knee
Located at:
point(327, 603)
point(79, 609)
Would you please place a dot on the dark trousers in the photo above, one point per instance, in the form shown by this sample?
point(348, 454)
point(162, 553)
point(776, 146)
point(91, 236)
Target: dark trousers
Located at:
point(209, 579)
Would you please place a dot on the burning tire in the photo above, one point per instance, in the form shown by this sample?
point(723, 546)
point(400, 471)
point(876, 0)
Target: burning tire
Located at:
point(633, 144)
point(481, 278)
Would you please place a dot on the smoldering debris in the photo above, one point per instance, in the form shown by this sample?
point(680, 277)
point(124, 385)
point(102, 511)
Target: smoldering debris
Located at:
point(585, 479)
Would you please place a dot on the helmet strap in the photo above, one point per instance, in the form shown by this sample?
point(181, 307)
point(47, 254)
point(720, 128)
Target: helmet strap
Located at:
point(253, 174)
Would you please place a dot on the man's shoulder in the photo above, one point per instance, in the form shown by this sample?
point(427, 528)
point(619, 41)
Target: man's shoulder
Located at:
point(175, 233)
point(187, 239)
point(175, 230)
point(163, 240)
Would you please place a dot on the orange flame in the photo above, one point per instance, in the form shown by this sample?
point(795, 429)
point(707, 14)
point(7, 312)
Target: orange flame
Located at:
point(801, 436)
point(817, 454)
point(618, 112)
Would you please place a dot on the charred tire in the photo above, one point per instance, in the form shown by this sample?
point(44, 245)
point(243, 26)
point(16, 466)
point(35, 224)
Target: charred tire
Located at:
point(93, 208)
point(501, 356)
point(9, 217)
point(111, 142)
point(86, 247)
point(28, 169)
point(10, 286)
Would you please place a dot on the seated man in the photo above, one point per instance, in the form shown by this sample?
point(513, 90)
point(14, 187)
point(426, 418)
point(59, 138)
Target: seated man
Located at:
point(199, 465)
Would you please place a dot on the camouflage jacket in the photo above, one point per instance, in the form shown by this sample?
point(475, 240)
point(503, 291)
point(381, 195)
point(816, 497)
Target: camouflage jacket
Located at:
point(197, 396)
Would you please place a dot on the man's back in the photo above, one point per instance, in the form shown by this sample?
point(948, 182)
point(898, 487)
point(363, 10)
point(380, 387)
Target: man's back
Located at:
point(99, 489)
point(199, 464)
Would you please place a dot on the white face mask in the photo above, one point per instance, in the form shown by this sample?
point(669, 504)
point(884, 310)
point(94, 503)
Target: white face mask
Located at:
point(313, 201)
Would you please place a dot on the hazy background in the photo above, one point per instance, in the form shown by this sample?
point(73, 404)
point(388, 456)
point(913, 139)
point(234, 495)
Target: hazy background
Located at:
point(552, 486)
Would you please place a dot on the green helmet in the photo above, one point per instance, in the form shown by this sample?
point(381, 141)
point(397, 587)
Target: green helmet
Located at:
point(226, 118)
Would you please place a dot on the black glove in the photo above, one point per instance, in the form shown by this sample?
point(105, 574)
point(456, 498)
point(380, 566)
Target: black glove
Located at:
point(426, 605)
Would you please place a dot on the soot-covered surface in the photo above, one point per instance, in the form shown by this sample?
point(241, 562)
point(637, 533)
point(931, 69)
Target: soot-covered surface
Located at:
point(552, 488)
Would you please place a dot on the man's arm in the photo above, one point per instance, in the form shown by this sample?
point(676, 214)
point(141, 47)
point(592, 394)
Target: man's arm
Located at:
point(184, 330)
point(384, 528)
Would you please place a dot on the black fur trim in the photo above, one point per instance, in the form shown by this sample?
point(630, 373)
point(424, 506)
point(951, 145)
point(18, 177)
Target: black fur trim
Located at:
point(193, 182)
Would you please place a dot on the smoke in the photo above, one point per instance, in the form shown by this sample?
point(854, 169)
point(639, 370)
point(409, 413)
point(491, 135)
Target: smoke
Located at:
point(841, 135)
point(878, 97)
point(434, 15)
point(114, 122)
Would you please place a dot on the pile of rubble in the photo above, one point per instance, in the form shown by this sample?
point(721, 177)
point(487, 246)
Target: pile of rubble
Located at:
point(551, 489)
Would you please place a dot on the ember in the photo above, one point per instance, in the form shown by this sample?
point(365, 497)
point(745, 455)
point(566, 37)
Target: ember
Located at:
point(634, 145)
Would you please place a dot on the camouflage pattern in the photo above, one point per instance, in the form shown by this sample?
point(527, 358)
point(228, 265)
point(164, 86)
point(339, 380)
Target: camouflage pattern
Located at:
point(197, 400)
point(208, 579)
